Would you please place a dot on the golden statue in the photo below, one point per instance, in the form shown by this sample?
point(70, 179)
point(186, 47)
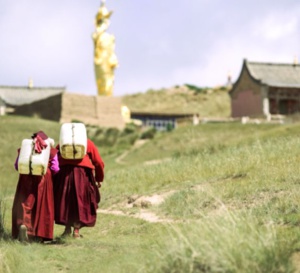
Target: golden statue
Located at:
point(105, 60)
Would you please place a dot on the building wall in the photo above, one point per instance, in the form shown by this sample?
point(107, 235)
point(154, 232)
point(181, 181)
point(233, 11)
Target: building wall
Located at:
point(246, 103)
point(67, 107)
point(246, 97)
point(49, 108)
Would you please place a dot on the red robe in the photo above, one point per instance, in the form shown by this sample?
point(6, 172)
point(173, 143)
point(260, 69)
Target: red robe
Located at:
point(75, 190)
point(33, 204)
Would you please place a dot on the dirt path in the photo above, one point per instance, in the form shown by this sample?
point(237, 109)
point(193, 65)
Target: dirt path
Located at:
point(144, 203)
point(136, 145)
point(143, 214)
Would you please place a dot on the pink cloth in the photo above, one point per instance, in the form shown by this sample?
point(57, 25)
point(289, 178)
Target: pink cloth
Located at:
point(39, 144)
point(54, 166)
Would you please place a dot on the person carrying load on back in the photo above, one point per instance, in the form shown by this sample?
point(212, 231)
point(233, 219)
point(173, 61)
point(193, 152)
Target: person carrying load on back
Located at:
point(76, 185)
point(33, 205)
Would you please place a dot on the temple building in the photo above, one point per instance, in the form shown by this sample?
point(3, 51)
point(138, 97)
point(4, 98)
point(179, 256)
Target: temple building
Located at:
point(265, 89)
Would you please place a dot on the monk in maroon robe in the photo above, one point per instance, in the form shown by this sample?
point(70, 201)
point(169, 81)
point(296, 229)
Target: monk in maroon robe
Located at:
point(33, 206)
point(76, 190)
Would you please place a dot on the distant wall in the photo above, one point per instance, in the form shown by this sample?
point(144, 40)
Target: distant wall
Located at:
point(92, 110)
point(65, 107)
point(49, 108)
point(246, 97)
point(246, 103)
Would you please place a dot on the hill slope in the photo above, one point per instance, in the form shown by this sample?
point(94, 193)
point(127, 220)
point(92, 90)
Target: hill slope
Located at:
point(206, 102)
point(229, 203)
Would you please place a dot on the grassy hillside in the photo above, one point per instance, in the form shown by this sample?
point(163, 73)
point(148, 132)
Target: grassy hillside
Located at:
point(207, 198)
point(207, 102)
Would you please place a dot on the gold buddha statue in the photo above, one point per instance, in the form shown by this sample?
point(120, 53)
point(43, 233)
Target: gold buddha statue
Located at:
point(105, 60)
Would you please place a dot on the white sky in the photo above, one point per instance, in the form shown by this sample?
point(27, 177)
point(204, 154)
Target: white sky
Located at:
point(159, 43)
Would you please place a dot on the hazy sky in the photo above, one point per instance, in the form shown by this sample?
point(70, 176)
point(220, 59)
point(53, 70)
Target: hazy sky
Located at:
point(159, 43)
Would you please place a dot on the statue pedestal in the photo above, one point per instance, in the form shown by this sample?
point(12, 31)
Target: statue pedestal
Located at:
point(109, 112)
point(92, 110)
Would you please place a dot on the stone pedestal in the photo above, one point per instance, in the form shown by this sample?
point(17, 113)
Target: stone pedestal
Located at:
point(92, 110)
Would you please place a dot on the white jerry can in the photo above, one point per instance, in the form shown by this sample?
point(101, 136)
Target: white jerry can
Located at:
point(73, 140)
point(31, 162)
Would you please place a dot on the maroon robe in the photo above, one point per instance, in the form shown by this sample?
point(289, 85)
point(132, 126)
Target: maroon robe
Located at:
point(75, 190)
point(33, 204)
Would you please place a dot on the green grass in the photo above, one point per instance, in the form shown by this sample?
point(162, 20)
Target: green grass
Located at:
point(215, 103)
point(112, 246)
point(231, 243)
point(207, 138)
point(233, 207)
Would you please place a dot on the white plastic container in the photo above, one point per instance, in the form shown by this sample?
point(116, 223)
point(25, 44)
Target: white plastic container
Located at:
point(31, 162)
point(73, 140)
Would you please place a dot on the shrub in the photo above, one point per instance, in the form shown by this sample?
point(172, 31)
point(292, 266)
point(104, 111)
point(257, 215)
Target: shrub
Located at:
point(76, 121)
point(196, 89)
point(130, 128)
point(149, 133)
